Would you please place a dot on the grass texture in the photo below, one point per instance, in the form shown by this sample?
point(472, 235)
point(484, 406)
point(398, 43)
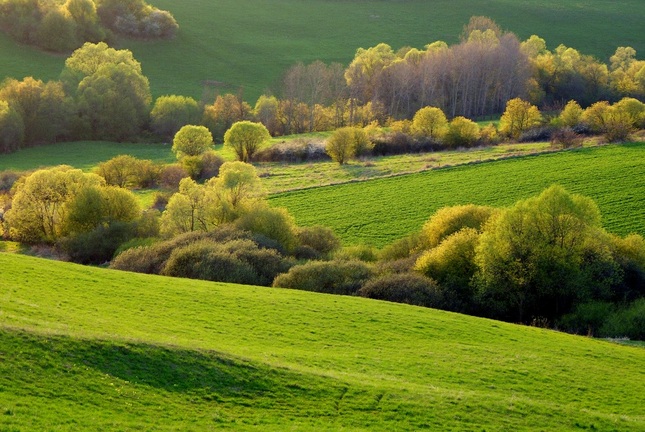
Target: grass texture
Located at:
point(248, 44)
point(93, 349)
point(379, 211)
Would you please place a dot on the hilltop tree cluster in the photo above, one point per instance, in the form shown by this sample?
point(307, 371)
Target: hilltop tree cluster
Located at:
point(63, 26)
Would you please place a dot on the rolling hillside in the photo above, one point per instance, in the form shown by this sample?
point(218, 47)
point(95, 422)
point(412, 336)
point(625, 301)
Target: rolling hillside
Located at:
point(249, 44)
point(92, 349)
point(379, 211)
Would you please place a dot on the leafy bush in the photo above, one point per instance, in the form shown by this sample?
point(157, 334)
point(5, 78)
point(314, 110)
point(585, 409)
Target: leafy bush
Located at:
point(319, 239)
point(99, 245)
point(626, 322)
point(363, 253)
point(332, 277)
point(410, 288)
point(208, 261)
point(210, 164)
point(273, 223)
point(171, 175)
point(225, 255)
point(7, 179)
point(462, 132)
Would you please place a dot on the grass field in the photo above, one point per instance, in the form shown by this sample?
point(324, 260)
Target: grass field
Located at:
point(93, 349)
point(379, 211)
point(249, 44)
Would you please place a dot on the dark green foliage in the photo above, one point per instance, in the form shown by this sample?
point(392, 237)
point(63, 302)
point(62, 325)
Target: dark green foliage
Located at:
point(208, 261)
point(317, 241)
point(98, 245)
point(332, 277)
point(410, 288)
point(12, 129)
point(224, 255)
point(605, 319)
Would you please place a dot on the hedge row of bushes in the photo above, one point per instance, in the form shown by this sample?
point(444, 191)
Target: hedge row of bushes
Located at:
point(62, 27)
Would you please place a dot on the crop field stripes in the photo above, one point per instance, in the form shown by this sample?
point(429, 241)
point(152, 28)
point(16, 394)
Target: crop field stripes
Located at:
point(379, 211)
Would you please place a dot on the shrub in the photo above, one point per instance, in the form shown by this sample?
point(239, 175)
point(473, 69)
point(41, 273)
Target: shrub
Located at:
point(566, 138)
point(462, 132)
point(518, 117)
point(171, 113)
point(410, 288)
point(571, 115)
point(12, 129)
point(7, 179)
point(401, 248)
point(121, 171)
point(587, 318)
point(449, 220)
point(274, 223)
point(452, 265)
point(298, 150)
point(332, 277)
point(98, 245)
point(171, 175)
point(536, 134)
point(208, 261)
point(363, 253)
point(319, 239)
point(210, 164)
point(626, 322)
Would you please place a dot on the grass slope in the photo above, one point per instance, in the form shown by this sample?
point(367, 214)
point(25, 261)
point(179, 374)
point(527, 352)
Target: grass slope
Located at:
point(249, 44)
point(379, 211)
point(85, 155)
point(92, 349)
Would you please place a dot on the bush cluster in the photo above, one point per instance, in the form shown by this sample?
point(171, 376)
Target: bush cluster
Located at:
point(62, 27)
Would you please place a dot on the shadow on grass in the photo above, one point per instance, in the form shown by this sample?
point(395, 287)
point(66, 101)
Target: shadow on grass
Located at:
point(208, 375)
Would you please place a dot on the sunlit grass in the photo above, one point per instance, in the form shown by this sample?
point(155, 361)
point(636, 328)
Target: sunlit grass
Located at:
point(94, 349)
point(379, 211)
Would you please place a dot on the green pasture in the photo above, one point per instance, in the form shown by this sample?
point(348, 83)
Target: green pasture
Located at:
point(379, 211)
point(247, 45)
point(93, 349)
point(85, 155)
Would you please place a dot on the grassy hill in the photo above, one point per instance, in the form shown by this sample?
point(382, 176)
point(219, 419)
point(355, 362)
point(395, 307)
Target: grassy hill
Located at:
point(249, 44)
point(92, 349)
point(379, 211)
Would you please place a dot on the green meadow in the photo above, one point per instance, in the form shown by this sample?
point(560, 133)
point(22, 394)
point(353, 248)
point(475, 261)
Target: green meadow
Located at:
point(379, 211)
point(248, 44)
point(92, 349)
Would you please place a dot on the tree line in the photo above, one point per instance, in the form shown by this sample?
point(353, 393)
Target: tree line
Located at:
point(63, 26)
point(545, 260)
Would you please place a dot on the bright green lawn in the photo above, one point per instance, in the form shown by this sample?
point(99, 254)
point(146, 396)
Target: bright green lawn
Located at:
point(82, 154)
point(250, 43)
point(380, 211)
point(93, 349)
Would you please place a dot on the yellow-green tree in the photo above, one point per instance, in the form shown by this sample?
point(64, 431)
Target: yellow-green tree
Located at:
point(41, 203)
point(518, 117)
point(462, 132)
point(171, 113)
point(191, 140)
point(430, 122)
point(246, 138)
point(571, 114)
point(347, 142)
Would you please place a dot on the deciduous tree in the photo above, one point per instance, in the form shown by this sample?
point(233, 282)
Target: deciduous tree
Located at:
point(246, 138)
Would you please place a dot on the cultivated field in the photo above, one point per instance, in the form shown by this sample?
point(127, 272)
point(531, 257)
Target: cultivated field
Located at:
point(249, 44)
point(91, 349)
point(380, 211)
